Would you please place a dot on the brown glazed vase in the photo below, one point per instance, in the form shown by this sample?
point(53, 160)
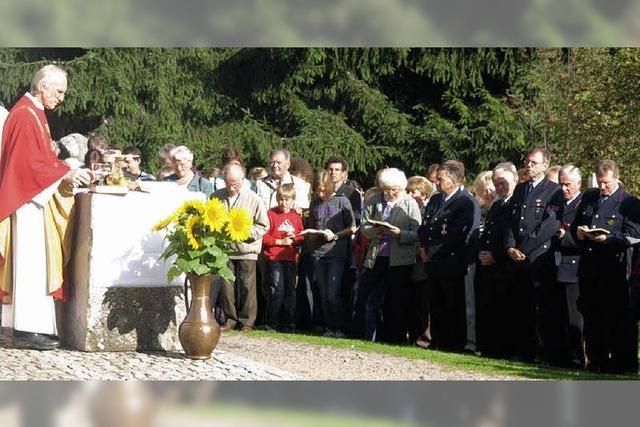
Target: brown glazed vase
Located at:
point(199, 332)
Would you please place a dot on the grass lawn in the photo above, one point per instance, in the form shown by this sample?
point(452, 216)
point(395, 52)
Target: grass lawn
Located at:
point(452, 360)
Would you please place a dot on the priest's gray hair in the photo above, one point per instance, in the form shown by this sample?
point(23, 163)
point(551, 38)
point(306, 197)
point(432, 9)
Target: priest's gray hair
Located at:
point(570, 171)
point(44, 76)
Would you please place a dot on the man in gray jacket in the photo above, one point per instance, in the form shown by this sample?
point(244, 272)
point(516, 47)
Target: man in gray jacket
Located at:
point(239, 299)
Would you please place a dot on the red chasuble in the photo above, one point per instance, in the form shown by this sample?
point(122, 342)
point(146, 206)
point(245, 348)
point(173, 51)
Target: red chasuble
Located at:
point(28, 164)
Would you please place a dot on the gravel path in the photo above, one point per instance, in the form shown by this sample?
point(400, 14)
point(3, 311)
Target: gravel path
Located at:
point(239, 356)
point(68, 364)
point(314, 362)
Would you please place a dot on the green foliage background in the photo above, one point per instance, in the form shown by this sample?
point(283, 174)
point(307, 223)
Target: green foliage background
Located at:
point(377, 107)
point(582, 104)
point(404, 107)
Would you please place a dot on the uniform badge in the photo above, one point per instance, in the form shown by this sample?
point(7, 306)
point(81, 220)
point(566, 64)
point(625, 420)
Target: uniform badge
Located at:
point(444, 229)
point(611, 221)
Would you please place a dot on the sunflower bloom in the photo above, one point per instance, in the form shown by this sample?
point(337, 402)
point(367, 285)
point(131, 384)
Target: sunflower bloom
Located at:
point(190, 207)
point(189, 227)
point(163, 223)
point(239, 226)
point(215, 214)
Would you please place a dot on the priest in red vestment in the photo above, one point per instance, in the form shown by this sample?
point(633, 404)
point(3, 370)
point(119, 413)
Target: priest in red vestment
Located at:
point(33, 214)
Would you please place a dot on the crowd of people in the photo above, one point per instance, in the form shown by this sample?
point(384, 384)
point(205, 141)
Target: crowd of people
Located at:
point(526, 264)
point(523, 264)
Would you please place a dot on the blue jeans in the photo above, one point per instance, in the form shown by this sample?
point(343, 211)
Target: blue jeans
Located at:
point(282, 294)
point(369, 300)
point(328, 275)
point(307, 314)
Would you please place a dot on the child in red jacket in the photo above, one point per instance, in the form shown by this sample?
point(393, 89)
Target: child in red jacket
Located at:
point(282, 256)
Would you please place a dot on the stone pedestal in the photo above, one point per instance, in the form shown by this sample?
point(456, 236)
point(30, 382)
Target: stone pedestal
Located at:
point(119, 296)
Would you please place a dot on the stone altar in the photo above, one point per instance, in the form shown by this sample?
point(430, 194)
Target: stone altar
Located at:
point(119, 296)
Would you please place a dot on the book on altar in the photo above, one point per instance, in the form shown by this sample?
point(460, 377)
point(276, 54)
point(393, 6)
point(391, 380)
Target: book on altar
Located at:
point(593, 231)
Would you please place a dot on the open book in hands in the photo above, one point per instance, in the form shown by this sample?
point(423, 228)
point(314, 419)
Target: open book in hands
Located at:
point(314, 231)
point(376, 223)
point(593, 231)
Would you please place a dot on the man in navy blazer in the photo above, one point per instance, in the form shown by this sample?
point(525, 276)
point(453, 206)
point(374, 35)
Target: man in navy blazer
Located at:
point(447, 224)
point(610, 329)
point(570, 349)
point(491, 283)
point(532, 220)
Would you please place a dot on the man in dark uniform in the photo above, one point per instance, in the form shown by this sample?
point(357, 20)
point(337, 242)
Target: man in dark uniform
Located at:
point(471, 255)
point(491, 284)
point(570, 345)
point(448, 221)
point(532, 222)
point(610, 331)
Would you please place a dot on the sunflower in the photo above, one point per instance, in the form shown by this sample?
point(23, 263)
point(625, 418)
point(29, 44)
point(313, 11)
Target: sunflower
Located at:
point(239, 226)
point(189, 227)
point(190, 207)
point(163, 223)
point(215, 214)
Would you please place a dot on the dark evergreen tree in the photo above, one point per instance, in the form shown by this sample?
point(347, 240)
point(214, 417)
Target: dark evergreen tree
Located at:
point(375, 106)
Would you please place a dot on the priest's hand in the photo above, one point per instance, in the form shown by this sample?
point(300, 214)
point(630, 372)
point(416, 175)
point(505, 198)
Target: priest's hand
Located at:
point(78, 177)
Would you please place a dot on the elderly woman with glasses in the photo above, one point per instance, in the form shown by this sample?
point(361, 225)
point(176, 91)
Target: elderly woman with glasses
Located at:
point(391, 221)
point(184, 175)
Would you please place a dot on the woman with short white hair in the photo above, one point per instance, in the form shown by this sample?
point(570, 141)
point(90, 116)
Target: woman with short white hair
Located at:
point(184, 175)
point(389, 260)
point(392, 177)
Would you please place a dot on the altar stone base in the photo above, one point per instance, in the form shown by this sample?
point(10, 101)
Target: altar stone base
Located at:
point(125, 319)
point(120, 299)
